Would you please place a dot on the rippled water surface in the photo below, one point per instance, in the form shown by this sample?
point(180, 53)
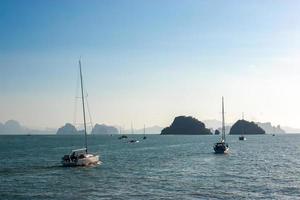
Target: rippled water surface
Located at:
point(160, 167)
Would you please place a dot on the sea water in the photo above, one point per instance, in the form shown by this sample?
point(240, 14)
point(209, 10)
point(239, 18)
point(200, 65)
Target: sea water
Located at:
point(160, 167)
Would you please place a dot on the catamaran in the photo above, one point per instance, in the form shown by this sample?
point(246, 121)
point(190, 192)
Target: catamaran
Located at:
point(222, 147)
point(81, 157)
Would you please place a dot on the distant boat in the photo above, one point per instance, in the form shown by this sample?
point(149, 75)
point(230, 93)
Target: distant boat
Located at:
point(242, 137)
point(222, 147)
point(81, 157)
point(144, 138)
point(133, 141)
point(273, 134)
point(123, 137)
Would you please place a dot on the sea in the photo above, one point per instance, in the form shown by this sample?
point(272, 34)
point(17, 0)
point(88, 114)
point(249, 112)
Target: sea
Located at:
point(160, 167)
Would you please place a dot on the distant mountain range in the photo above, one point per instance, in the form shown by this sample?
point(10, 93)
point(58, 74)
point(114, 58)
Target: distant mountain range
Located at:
point(290, 129)
point(213, 124)
point(98, 129)
point(148, 130)
point(15, 127)
point(267, 126)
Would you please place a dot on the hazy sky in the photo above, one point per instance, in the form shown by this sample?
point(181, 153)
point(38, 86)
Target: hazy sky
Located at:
point(148, 61)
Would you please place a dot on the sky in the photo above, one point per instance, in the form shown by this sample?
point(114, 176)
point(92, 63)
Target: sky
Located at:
point(145, 62)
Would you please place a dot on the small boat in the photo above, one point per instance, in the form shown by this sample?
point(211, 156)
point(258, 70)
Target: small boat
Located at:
point(222, 147)
point(273, 134)
point(144, 138)
point(81, 157)
point(123, 137)
point(133, 141)
point(242, 137)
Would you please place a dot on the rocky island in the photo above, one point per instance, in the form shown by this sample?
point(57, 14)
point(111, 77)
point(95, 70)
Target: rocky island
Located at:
point(67, 129)
point(104, 129)
point(245, 127)
point(183, 125)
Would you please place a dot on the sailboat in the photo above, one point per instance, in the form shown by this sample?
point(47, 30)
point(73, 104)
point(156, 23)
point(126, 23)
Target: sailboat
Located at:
point(132, 132)
point(81, 157)
point(242, 137)
point(144, 138)
point(222, 147)
point(122, 136)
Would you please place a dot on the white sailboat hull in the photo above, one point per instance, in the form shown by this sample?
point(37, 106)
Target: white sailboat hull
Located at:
point(87, 160)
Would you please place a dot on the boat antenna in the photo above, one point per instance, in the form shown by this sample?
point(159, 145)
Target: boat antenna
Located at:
point(144, 129)
point(83, 108)
point(223, 120)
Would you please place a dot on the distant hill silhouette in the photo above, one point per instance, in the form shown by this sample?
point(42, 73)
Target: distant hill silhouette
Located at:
point(227, 129)
point(267, 126)
point(149, 130)
point(183, 125)
point(212, 123)
point(104, 129)
point(67, 129)
point(245, 127)
point(12, 127)
point(288, 129)
point(217, 125)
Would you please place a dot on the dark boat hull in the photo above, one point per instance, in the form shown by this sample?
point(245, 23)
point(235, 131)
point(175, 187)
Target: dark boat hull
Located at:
point(221, 148)
point(242, 138)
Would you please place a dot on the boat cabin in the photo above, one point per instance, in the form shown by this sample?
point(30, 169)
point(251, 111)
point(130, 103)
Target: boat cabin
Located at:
point(75, 155)
point(78, 152)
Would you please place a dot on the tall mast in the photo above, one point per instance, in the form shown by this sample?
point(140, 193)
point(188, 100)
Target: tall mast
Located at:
point(223, 120)
point(144, 130)
point(243, 125)
point(83, 108)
